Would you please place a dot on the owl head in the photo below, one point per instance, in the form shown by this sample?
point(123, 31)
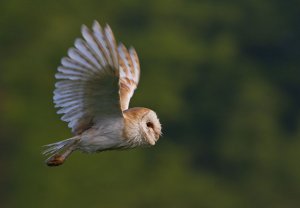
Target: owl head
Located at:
point(142, 126)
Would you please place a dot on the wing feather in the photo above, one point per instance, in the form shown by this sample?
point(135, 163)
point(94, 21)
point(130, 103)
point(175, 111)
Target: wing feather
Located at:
point(94, 41)
point(87, 87)
point(96, 80)
point(129, 74)
point(112, 47)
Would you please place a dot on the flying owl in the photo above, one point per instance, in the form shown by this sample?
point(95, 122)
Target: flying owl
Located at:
point(95, 84)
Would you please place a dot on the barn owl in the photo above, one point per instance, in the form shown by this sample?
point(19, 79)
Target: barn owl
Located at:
point(95, 84)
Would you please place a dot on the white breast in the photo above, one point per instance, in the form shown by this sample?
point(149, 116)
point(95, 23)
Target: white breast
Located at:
point(105, 135)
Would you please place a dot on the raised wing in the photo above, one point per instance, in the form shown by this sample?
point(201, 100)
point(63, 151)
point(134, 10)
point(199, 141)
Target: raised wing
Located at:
point(96, 80)
point(88, 86)
point(129, 74)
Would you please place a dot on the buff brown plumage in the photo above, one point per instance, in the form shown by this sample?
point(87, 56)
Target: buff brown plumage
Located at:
point(95, 84)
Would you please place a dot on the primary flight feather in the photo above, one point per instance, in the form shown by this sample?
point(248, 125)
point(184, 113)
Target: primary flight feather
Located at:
point(95, 84)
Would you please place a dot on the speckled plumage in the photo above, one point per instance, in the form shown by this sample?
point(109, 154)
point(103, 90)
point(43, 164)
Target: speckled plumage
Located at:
point(95, 84)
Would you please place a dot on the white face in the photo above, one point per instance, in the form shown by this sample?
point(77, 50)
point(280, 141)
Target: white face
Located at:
point(151, 127)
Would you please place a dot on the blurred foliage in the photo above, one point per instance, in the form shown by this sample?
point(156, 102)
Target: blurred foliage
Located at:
point(222, 75)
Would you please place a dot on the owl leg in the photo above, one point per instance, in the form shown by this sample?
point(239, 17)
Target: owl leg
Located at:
point(59, 157)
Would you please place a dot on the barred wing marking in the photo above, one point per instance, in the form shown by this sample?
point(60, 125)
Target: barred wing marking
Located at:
point(129, 74)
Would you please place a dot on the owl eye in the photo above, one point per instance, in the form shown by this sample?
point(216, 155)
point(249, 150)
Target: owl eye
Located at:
point(150, 125)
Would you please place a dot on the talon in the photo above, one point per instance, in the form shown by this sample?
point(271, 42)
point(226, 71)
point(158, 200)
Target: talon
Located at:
point(56, 160)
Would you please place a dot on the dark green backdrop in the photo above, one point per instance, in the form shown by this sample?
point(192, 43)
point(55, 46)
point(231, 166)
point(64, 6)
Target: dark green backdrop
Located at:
point(223, 76)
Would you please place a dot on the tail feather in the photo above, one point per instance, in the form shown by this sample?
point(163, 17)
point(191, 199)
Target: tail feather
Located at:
point(56, 149)
point(58, 146)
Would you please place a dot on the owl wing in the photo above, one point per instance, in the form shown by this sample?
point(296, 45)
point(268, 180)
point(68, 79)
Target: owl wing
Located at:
point(129, 74)
point(96, 80)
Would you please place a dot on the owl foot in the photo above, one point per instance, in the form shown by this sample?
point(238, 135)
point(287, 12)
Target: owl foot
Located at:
point(55, 160)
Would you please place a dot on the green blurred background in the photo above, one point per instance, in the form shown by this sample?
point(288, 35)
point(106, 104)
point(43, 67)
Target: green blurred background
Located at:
point(223, 77)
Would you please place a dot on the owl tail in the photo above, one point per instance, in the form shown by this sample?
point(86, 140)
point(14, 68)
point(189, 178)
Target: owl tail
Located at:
point(59, 151)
